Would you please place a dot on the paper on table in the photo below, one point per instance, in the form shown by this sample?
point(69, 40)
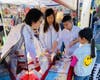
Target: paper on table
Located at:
point(61, 67)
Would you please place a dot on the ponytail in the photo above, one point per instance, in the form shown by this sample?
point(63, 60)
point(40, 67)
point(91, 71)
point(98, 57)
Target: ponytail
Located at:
point(92, 48)
point(87, 33)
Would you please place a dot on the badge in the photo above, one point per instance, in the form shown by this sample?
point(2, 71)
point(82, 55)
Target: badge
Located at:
point(87, 60)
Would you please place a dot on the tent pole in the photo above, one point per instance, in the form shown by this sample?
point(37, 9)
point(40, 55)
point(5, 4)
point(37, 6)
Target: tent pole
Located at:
point(78, 10)
point(3, 22)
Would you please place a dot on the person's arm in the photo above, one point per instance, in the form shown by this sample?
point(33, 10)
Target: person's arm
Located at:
point(64, 4)
point(54, 46)
point(73, 42)
point(74, 57)
point(76, 40)
point(57, 44)
point(42, 37)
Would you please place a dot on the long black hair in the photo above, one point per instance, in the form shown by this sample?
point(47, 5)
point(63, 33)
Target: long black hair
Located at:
point(87, 33)
point(49, 12)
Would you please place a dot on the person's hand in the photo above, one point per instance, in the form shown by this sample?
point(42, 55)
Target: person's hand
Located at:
point(47, 53)
point(71, 44)
point(58, 51)
point(47, 50)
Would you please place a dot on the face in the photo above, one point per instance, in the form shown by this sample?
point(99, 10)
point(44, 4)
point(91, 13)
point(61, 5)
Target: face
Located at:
point(73, 14)
point(68, 25)
point(43, 9)
point(36, 25)
point(82, 40)
point(50, 19)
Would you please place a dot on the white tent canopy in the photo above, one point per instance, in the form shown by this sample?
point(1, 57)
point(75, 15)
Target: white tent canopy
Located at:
point(72, 4)
point(18, 2)
point(29, 2)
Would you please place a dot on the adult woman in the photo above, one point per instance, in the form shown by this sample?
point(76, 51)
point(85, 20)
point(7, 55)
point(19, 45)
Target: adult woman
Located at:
point(20, 40)
point(50, 31)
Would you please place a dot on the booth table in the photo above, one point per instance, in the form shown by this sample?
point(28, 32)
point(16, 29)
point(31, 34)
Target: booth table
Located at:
point(59, 70)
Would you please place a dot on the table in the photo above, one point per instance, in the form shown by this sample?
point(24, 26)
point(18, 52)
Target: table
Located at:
point(59, 70)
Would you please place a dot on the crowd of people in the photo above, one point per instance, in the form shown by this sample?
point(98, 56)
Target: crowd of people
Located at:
point(26, 50)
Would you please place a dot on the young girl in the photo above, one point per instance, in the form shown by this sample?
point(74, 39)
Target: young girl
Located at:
point(50, 31)
point(85, 54)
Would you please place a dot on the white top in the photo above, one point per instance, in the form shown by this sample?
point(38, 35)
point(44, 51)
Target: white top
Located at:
point(81, 69)
point(38, 47)
point(47, 39)
point(67, 36)
point(42, 59)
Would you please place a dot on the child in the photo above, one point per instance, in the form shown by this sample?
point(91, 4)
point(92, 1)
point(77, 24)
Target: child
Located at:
point(49, 32)
point(85, 54)
point(68, 36)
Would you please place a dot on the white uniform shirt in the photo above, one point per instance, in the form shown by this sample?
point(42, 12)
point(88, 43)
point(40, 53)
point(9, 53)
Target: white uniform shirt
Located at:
point(42, 59)
point(47, 39)
point(38, 47)
point(80, 69)
point(67, 37)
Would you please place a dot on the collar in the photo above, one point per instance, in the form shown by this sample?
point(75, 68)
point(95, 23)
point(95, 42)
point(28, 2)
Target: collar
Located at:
point(82, 45)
